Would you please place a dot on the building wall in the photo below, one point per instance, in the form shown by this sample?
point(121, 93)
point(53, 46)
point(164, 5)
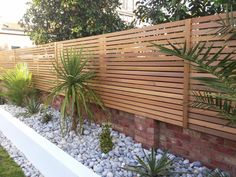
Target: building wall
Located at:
point(126, 11)
point(13, 36)
point(7, 41)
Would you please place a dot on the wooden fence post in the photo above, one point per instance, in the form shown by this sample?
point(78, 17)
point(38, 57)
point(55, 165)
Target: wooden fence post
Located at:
point(188, 27)
point(56, 58)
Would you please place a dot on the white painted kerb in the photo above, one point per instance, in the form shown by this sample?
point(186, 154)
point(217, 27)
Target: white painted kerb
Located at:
point(50, 160)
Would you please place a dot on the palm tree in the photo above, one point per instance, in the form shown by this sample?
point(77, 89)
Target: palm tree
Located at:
point(74, 85)
point(17, 84)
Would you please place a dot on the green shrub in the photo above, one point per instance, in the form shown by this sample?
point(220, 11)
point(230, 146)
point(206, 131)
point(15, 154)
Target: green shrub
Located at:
point(74, 77)
point(33, 106)
point(153, 167)
point(105, 139)
point(46, 114)
point(47, 117)
point(17, 84)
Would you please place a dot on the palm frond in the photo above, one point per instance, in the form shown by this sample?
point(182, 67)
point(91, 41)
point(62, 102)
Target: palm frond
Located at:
point(227, 28)
point(209, 100)
point(222, 72)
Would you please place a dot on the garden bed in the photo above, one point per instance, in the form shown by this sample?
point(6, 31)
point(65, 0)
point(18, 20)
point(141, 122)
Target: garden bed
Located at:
point(85, 148)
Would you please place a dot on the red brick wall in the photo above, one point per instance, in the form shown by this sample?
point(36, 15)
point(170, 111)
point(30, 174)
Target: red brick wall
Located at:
point(212, 151)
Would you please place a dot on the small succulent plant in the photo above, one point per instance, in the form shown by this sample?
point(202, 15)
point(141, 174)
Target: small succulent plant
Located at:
point(46, 114)
point(150, 166)
point(47, 117)
point(33, 106)
point(105, 139)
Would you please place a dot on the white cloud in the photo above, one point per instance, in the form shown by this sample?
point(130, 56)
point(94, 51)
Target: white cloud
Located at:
point(12, 10)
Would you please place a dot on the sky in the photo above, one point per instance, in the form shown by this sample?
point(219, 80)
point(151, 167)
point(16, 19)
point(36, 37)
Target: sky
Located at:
point(12, 10)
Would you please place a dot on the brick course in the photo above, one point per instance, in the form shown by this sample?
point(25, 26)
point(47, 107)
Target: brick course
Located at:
point(213, 151)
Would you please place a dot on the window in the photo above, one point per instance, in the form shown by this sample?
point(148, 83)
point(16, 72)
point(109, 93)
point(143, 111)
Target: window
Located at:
point(128, 5)
point(15, 47)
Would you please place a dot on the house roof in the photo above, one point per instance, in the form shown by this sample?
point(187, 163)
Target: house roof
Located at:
point(12, 26)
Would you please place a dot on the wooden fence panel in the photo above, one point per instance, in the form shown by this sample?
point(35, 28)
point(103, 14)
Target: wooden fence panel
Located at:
point(7, 59)
point(132, 76)
point(39, 60)
point(203, 30)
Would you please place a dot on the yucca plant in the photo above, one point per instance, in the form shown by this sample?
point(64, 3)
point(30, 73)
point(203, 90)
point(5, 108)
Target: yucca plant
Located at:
point(150, 166)
point(17, 84)
point(74, 85)
point(222, 93)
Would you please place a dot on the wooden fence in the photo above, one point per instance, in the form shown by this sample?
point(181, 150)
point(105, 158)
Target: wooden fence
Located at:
point(133, 76)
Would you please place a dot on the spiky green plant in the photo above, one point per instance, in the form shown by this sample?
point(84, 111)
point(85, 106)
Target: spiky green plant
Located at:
point(216, 173)
point(32, 106)
point(74, 85)
point(17, 84)
point(153, 167)
point(222, 93)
